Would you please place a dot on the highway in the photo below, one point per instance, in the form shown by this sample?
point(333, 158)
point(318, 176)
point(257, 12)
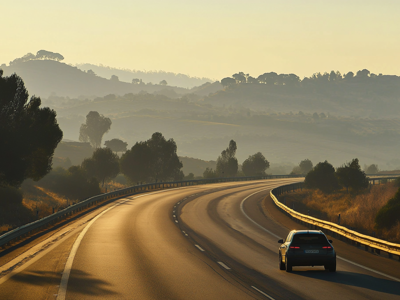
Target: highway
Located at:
point(216, 241)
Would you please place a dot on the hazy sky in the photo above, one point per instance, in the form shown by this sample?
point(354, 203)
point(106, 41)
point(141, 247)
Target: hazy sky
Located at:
point(209, 38)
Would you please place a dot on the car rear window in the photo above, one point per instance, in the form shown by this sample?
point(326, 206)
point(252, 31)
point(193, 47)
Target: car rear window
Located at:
point(310, 239)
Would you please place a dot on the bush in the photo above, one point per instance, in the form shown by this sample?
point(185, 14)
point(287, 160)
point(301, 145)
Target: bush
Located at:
point(351, 176)
point(12, 211)
point(322, 177)
point(389, 214)
point(72, 183)
point(9, 195)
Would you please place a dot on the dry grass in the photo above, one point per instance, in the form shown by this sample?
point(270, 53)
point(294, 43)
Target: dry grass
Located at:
point(111, 186)
point(357, 212)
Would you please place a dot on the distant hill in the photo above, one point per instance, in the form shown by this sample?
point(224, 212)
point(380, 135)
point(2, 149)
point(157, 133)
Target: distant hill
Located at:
point(195, 165)
point(173, 79)
point(48, 77)
point(362, 95)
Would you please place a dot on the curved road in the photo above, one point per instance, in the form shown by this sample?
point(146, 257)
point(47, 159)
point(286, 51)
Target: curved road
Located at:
point(214, 241)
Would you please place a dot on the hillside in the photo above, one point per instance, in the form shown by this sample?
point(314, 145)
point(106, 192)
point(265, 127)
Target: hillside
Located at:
point(180, 80)
point(364, 95)
point(48, 77)
point(202, 130)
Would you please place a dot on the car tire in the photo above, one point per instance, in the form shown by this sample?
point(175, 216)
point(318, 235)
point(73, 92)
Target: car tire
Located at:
point(331, 267)
point(281, 264)
point(288, 265)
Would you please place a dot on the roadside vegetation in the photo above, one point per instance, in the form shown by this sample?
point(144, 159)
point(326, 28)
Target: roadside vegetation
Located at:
point(369, 209)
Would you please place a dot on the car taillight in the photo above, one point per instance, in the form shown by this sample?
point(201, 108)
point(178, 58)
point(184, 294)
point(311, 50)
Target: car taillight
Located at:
point(327, 247)
point(294, 247)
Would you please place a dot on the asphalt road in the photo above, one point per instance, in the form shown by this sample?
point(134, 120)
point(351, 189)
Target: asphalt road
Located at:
point(214, 241)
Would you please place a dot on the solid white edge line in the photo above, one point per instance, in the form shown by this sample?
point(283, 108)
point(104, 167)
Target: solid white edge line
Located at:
point(250, 219)
point(62, 292)
point(261, 292)
point(198, 247)
point(346, 260)
point(368, 269)
point(224, 265)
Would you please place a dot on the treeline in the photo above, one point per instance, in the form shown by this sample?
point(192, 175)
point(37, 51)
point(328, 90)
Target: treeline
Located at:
point(272, 78)
point(41, 54)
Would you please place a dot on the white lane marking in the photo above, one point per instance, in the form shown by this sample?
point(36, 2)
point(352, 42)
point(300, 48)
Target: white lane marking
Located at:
point(198, 247)
point(254, 222)
point(368, 269)
point(224, 265)
point(346, 260)
point(174, 216)
point(261, 292)
point(68, 266)
point(176, 221)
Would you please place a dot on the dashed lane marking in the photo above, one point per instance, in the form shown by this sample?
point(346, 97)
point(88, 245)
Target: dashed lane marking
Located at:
point(223, 265)
point(68, 266)
point(346, 260)
point(198, 247)
point(261, 292)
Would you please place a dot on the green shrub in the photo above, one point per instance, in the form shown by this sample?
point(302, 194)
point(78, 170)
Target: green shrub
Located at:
point(389, 214)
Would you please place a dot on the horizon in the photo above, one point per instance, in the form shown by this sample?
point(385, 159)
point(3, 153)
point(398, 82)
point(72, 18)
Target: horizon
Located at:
point(254, 38)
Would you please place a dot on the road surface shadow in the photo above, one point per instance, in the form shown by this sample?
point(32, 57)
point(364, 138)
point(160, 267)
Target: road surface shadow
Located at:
point(82, 283)
point(353, 279)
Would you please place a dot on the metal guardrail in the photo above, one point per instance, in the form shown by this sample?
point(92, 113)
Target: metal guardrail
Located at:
point(24, 230)
point(353, 236)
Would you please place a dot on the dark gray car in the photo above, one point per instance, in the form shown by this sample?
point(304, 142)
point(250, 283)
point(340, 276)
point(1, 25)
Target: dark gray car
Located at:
point(306, 248)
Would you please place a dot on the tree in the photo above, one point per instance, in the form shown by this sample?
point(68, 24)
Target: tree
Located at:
point(372, 169)
point(166, 164)
point(227, 164)
point(43, 54)
point(268, 78)
point(351, 176)
point(116, 145)
point(114, 78)
point(349, 75)
point(26, 57)
point(305, 166)
point(322, 177)
point(363, 73)
point(91, 72)
point(28, 133)
point(136, 163)
point(163, 82)
point(95, 127)
point(190, 176)
point(103, 165)
point(240, 77)
point(253, 80)
point(228, 81)
point(137, 81)
point(152, 160)
point(291, 80)
point(209, 173)
point(255, 165)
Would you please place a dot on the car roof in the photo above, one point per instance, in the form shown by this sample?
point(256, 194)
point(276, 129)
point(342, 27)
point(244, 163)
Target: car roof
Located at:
point(307, 232)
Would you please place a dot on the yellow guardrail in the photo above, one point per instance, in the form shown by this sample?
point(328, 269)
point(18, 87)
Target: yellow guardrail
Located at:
point(368, 241)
